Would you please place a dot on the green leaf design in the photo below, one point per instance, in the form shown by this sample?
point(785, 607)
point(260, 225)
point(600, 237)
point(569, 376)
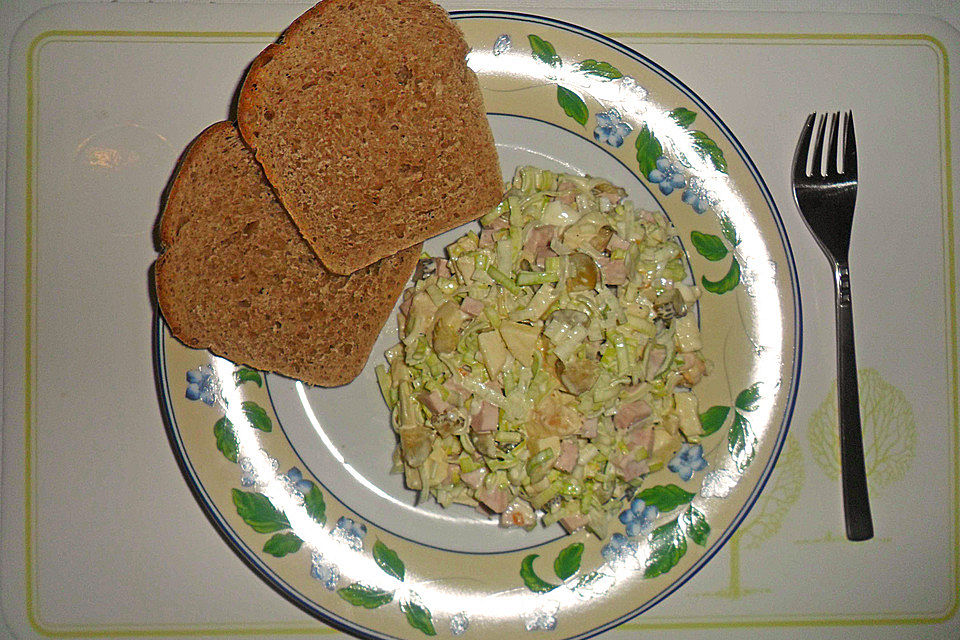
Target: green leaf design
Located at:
point(728, 282)
point(257, 415)
point(530, 577)
point(683, 117)
point(713, 418)
point(257, 511)
point(709, 246)
point(281, 544)
point(708, 148)
point(748, 398)
point(388, 560)
point(419, 617)
point(729, 231)
point(243, 374)
point(696, 524)
point(367, 597)
point(226, 439)
point(668, 545)
point(741, 441)
point(543, 50)
point(648, 150)
point(573, 105)
point(568, 561)
point(316, 507)
point(665, 497)
point(598, 68)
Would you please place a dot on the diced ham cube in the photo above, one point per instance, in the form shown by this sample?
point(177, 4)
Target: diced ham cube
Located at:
point(567, 460)
point(641, 438)
point(574, 522)
point(434, 403)
point(474, 479)
point(613, 271)
point(453, 471)
point(538, 240)
point(471, 306)
point(657, 355)
point(569, 195)
point(631, 413)
point(443, 268)
point(497, 224)
point(496, 499)
point(630, 468)
point(457, 389)
point(589, 428)
point(486, 237)
point(542, 255)
point(613, 197)
point(693, 368)
point(616, 242)
point(486, 419)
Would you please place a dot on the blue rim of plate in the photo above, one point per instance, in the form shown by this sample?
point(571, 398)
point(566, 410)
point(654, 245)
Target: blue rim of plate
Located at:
point(344, 624)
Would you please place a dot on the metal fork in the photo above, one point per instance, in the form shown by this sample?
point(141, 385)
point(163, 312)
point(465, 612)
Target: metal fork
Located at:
point(826, 201)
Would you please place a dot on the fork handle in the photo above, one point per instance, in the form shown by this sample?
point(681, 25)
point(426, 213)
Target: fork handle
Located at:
point(856, 503)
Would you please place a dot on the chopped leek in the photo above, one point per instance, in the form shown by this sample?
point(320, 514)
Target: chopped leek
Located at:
point(524, 381)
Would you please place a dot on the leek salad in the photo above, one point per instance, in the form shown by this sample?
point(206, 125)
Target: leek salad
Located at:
point(545, 365)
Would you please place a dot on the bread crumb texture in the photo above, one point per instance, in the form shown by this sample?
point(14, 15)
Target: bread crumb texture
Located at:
point(237, 278)
point(371, 128)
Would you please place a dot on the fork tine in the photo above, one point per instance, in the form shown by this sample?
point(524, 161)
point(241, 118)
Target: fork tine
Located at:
point(832, 145)
point(815, 167)
point(849, 148)
point(803, 149)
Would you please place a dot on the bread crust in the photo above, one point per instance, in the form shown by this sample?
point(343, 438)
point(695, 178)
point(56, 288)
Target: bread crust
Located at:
point(235, 277)
point(371, 128)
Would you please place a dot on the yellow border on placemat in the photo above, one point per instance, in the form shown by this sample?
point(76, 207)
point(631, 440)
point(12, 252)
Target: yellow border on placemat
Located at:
point(33, 613)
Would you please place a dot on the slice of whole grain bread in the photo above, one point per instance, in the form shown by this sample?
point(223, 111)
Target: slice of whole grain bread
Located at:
point(236, 277)
point(371, 128)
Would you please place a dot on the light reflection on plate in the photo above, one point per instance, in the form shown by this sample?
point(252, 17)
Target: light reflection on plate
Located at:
point(297, 477)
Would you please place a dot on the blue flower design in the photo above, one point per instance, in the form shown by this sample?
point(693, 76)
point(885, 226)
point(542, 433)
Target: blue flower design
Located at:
point(697, 196)
point(688, 461)
point(668, 176)
point(619, 550)
point(326, 572)
point(631, 90)
point(202, 385)
point(350, 533)
point(611, 129)
point(501, 45)
point(295, 482)
point(459, 624)
point(250, 476)
point(639, 517)
point(543, 618)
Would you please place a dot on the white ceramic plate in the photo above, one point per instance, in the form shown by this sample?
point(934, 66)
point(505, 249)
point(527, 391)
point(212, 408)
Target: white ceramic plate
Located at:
point(297, 478)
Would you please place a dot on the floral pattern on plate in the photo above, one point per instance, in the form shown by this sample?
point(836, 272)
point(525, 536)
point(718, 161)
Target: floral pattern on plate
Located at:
point(301, 536)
